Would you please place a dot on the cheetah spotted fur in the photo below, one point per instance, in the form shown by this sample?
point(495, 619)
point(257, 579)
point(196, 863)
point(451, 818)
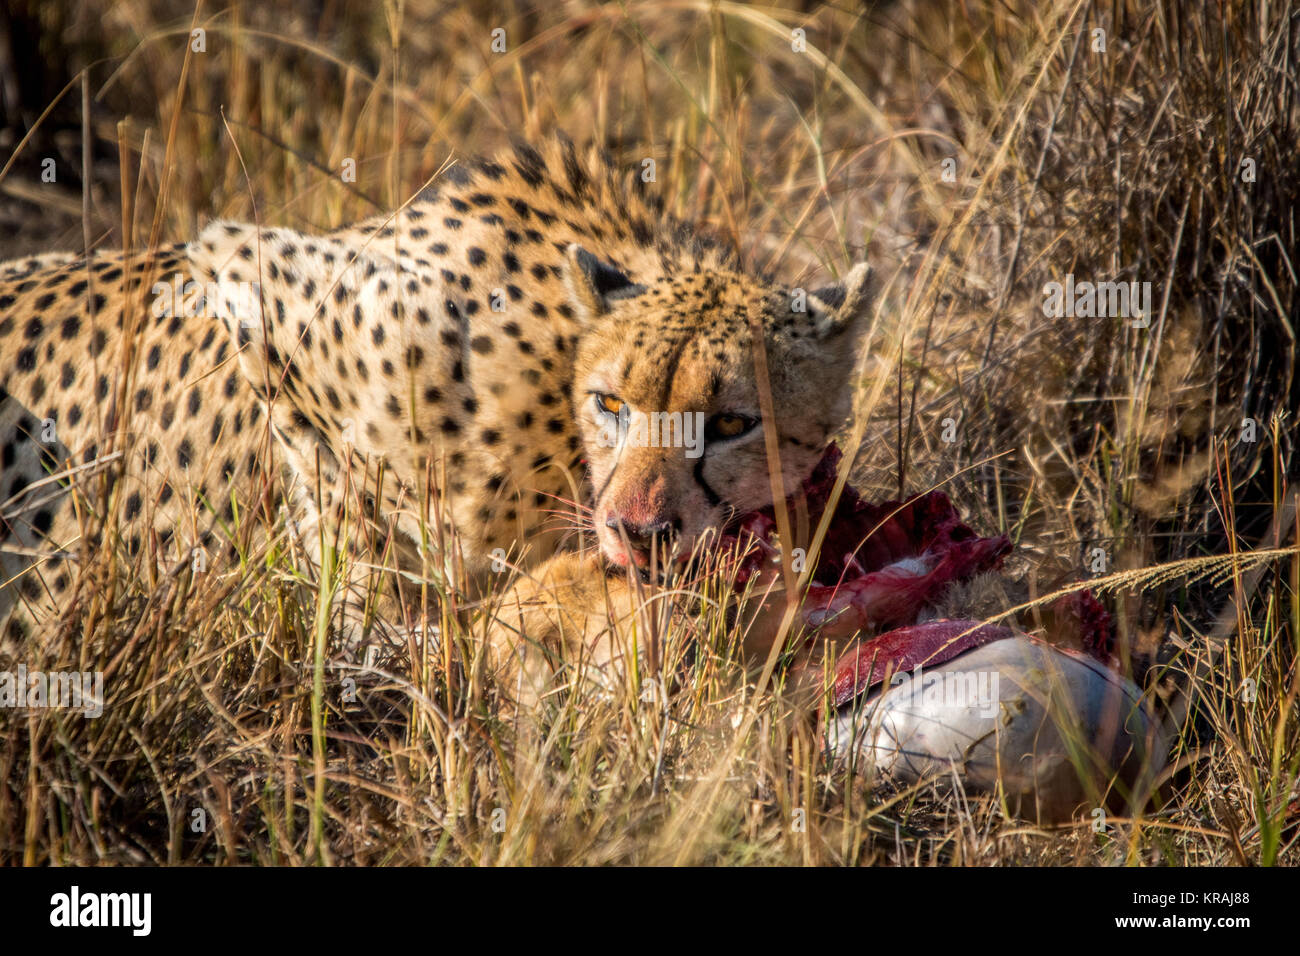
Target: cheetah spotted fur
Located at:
point(443, 374)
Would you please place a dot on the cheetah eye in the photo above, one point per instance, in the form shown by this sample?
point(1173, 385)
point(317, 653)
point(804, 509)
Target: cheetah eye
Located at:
point(728, 426)
point(609, 404)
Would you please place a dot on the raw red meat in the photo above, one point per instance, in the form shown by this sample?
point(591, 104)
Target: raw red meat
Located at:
point(906, 648)
point(880, 563)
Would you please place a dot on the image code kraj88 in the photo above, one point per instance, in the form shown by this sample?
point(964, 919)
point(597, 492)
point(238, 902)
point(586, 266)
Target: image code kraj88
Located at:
point(647, 434)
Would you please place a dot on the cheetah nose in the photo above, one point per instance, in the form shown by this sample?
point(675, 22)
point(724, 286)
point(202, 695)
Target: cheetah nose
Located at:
point(642, 536)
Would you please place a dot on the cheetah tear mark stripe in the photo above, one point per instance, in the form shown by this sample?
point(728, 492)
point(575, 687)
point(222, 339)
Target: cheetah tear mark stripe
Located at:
point(713, 497)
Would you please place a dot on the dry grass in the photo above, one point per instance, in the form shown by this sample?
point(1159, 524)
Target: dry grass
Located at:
point(1072, 434)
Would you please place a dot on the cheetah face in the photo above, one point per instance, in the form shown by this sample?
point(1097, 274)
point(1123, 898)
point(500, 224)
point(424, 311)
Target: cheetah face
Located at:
point(668, 397)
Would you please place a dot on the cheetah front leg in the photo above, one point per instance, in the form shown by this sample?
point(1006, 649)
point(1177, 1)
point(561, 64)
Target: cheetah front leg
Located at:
point(566, 622)
point(575, 621)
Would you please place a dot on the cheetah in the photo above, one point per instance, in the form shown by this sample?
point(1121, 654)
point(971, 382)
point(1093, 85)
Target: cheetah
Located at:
point(445, 377)
point(21, 268)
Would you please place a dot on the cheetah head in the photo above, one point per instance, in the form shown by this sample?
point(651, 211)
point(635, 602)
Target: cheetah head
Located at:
point(669, 397)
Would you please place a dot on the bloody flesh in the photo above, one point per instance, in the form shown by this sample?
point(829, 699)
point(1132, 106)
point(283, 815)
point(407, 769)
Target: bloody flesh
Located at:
point(881, 564)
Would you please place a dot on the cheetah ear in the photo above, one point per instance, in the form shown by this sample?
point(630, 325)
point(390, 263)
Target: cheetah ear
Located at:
point(844, 306)
point(594, 284)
